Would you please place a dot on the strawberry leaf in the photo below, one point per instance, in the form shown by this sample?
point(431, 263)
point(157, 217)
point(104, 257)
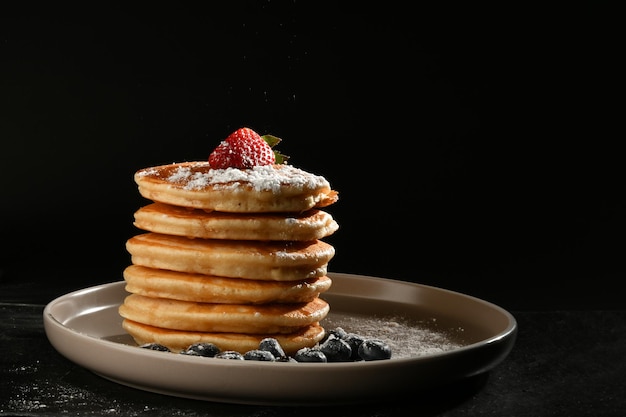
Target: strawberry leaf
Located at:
point(280, 158)
point(271, 140)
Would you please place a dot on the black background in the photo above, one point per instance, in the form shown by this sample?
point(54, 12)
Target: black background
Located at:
point(473, 150)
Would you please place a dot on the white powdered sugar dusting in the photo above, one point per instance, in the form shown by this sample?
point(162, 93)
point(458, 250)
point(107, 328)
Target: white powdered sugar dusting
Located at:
point(181, 174)
point(260, 178)
point(148, 171)
point(406, 338)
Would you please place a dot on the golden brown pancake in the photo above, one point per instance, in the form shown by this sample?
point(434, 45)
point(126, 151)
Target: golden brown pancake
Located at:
point(230, 318)
point(180, 221)
point(270, 260)
point(211, 289)
point(261, 189)
point(177, 340)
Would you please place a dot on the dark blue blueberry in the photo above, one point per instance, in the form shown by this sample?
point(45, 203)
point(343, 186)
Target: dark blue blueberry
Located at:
point(374, 349)
point(354, 340)
point(336, 350)
point(229, 354)
point(338, 332)
point(310, 355)
point(207, 350)
point(273, 346)
point(259, 355)
point(155, 346)
point(286, 359)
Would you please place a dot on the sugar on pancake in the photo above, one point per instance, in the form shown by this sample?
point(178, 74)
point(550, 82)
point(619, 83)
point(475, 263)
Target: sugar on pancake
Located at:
point(263, 260)
point(181, 221)
point(268, 188)
point(162, 283)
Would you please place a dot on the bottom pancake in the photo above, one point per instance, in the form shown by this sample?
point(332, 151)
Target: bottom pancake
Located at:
point(177, 340)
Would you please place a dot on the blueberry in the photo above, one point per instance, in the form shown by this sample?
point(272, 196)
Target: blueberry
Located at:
point(229, 354)
point(307, 354)
point(338, 332)
point(336, 350)
point(155, 346)
point(354, 340)
point(374, 349)
point(259, 355)
point(273, 346)
point(286, 359)
point(208, 350)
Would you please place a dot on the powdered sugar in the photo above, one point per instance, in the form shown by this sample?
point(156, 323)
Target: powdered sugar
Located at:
point(199, 175)
point(407, 338)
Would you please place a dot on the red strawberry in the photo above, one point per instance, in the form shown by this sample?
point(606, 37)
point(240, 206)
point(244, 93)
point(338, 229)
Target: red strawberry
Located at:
point(243, 148)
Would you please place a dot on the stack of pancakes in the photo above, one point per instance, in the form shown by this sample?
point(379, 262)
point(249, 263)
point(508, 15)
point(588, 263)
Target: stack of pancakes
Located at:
point(229, 256)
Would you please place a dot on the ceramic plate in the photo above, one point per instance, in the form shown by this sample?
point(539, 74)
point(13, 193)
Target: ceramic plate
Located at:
point(449, 336)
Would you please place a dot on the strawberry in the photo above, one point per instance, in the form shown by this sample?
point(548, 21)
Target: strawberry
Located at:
point(243, 148)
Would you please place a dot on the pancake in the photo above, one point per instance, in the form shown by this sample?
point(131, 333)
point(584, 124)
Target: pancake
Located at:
point(173, 220)
point(261, 189)
point(162, 283)
point(230, 318)
point(177, 340)
point(269, 260)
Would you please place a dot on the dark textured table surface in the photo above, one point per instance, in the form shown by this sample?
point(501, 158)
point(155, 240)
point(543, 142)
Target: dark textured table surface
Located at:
point(564, 363)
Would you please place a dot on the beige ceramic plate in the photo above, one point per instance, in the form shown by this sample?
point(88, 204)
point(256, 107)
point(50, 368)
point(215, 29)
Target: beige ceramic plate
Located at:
point(85, 327)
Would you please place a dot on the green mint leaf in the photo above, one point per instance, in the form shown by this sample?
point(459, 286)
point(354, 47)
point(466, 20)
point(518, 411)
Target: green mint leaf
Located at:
point(271, 140)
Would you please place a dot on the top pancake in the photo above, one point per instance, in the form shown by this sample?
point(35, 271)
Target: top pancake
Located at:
point(261, 189)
